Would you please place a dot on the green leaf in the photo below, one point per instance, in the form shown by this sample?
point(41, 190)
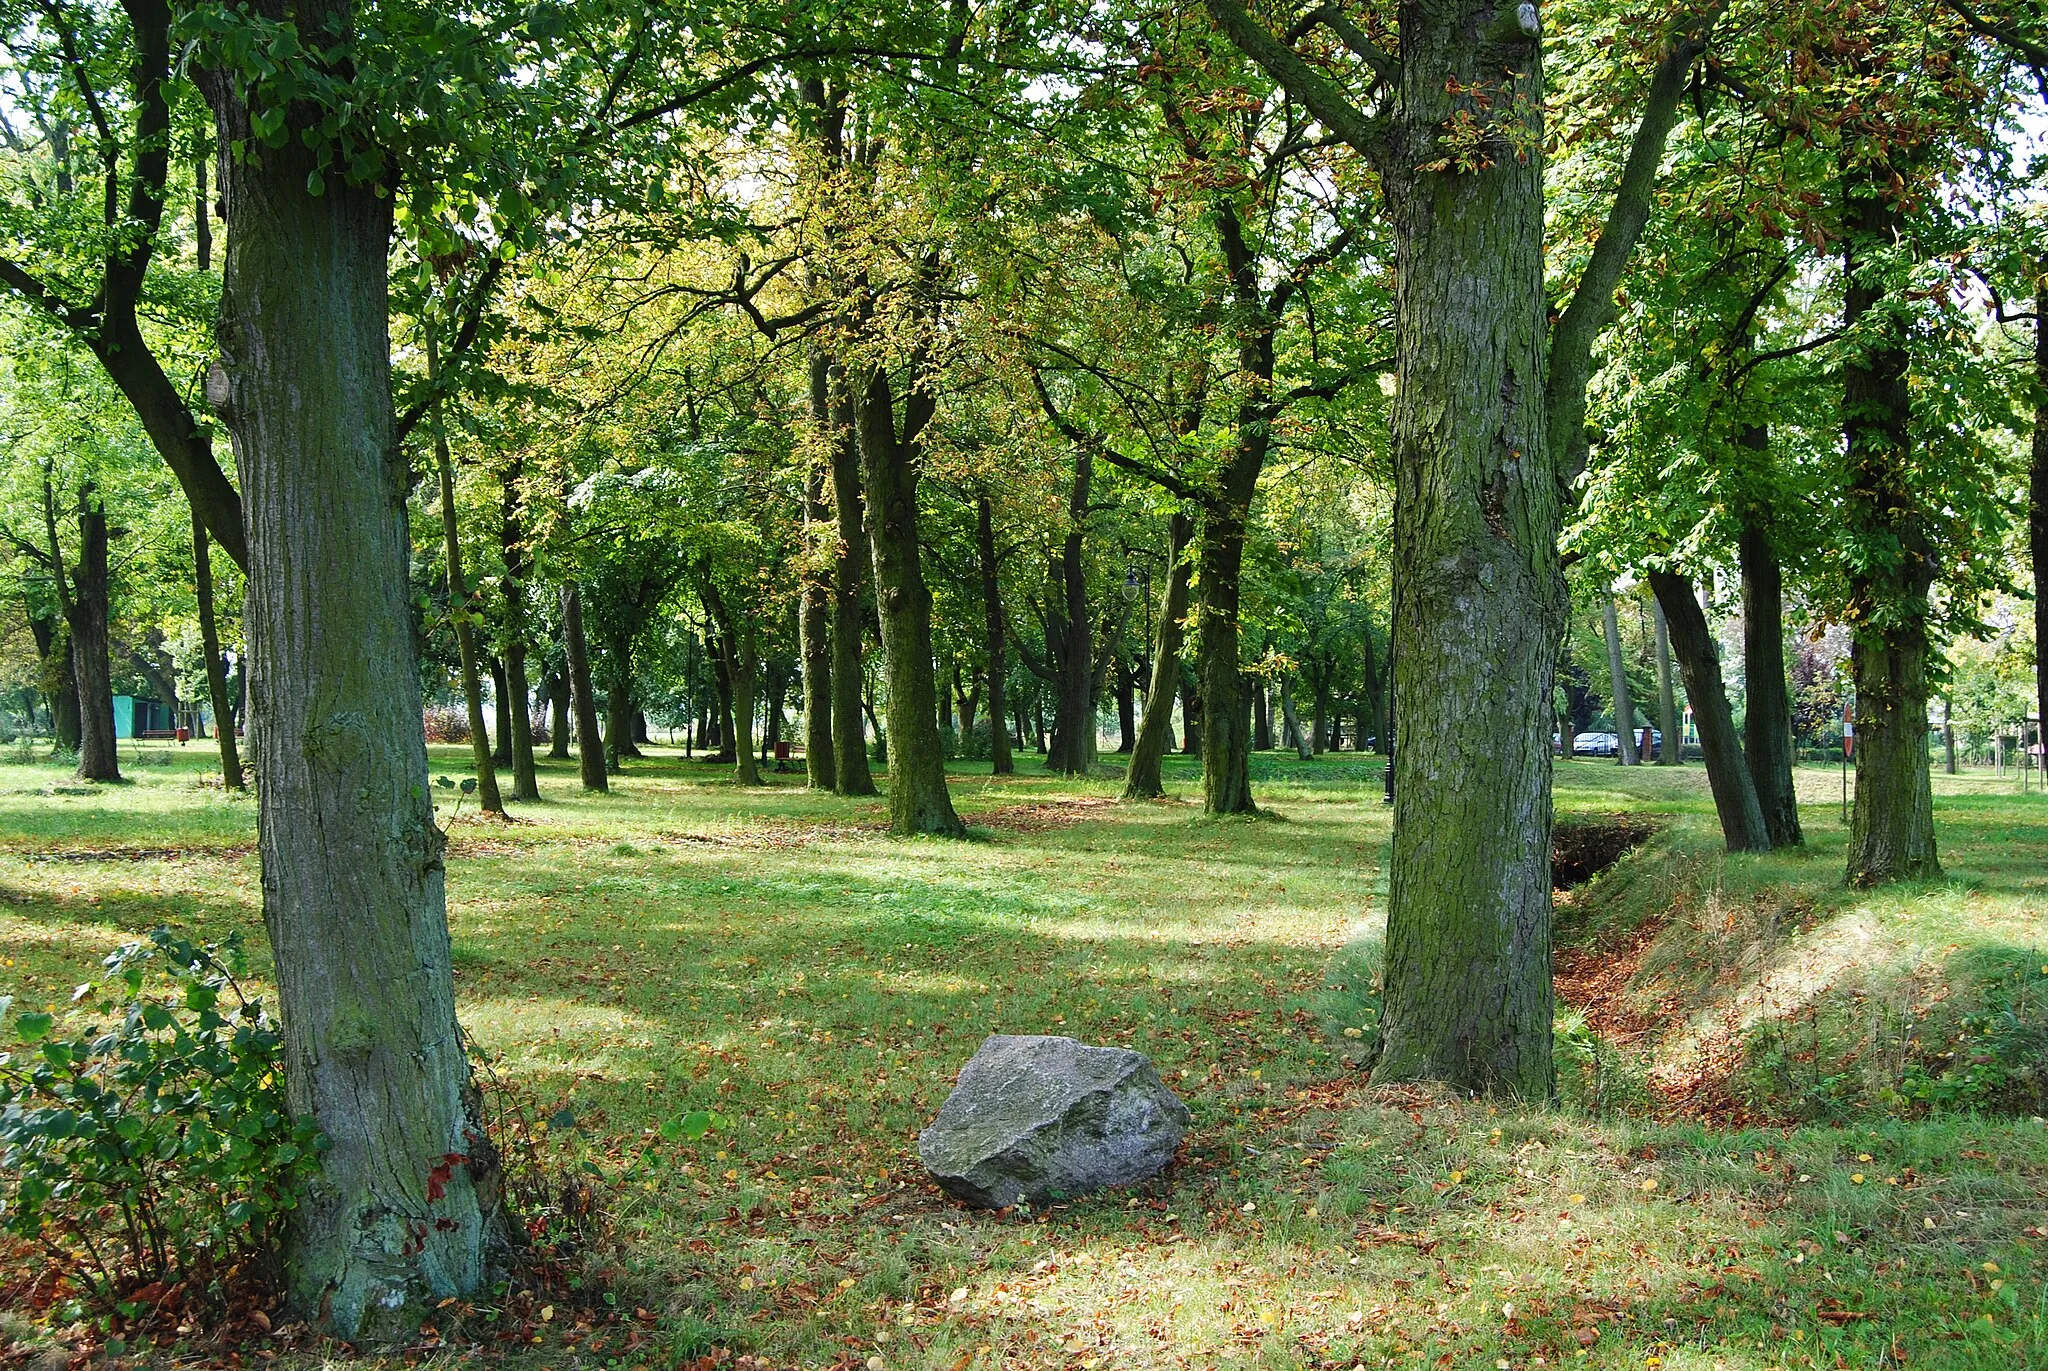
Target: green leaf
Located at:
point(33, 1027)
point(697, 1123)
point(316, 185)
point(469, 785)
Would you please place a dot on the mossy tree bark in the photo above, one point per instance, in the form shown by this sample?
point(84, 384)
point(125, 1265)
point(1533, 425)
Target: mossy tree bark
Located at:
point(2037, 499)
point(1767, 717)
point(918, 799)
point(993, 630)
point(1891, 834)
point(1484, 426)
point(589, 744)
point(216, 670)
point(814, 615)
point(1155, 730)
point(1699, 661)
point(404, 1213)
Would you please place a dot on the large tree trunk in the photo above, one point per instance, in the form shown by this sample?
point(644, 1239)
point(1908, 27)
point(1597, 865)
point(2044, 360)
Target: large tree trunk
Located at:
point(1767, 720)
point(1479, 605)
point(460, 611)
point(994, 631)
point(1070, 638)
point(404, 1214)
point(88, 613)
point(1699, 661)
point(1891, 833)
point(849, 625)
point(1262, 716)
point(525, 780)
point(57, 679)
point(1191, 712)
point(589, 745)
point(1673, 750)
point(1226, 713)
point(1617, 681)
point(501, 714)
point(814, 618)
point(918, 799)
point(1155, 730)
point(744, 664)
point(216, 673)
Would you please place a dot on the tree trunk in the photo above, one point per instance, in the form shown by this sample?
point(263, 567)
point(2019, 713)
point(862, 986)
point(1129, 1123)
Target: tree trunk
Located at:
point(1372, 720)
point(1155, 730)
point(1767, 720)
point(501, 714)
point(1699, 662)
point(1069, 637)
point(1319, 737)
point(1226, 713)
point(1190, 715)
point(918, 799)
point(618, 702)
point(745, 666)
point(1480, 603)
point(814, 617)
point(589, 745)
point(1290, 720)
point(525, 780)
point(558, 714)
point(56, 678)
point(849, 728)
point(404, 1214)
point(1262, 716)
point(1891, 834)
point(1672, 753)
point(1617, 678)
point(460, 612)
point(993, 630)
point(209, 644)
point(88, 614)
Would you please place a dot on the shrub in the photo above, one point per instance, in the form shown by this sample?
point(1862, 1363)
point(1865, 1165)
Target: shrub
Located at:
point(446, 723)
point(155, 1160)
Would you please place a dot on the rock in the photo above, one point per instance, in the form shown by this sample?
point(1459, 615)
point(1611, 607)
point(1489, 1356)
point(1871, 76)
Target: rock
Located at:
point(1038, 1119)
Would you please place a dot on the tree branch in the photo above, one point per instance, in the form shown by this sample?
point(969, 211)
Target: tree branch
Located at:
point(1292, 73)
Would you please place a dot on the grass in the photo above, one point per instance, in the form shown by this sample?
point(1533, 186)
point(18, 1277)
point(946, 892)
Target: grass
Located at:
point(768, 954)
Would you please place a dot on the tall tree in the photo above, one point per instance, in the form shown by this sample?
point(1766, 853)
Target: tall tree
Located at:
point(1488, 418)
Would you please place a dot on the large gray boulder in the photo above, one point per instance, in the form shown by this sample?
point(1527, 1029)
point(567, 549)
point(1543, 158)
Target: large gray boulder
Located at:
point(1042, 1119)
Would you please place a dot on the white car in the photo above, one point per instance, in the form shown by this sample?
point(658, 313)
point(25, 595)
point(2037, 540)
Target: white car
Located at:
point(1596, 745)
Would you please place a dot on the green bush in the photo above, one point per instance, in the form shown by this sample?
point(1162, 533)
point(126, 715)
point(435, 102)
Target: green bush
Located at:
point(157, 1150)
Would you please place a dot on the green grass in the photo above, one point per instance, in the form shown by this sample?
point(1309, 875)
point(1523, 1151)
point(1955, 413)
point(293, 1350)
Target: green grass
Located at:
point(770, 954)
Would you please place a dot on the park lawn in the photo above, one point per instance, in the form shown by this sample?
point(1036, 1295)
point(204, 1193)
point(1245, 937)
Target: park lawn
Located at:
point(685, 944)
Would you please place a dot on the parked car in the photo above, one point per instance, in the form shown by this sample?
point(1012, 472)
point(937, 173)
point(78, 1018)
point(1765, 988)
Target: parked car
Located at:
point(1596, 745)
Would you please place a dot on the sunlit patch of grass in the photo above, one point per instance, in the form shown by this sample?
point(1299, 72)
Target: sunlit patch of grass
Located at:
point(683, 944)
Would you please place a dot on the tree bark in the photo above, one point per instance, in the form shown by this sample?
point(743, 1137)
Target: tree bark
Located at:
point(404, 1214)
point(1226, 712)
point(1672, 753)
point(558, 714)
point(814, 618)
point(87, 610)
point(1617, 679)
point(460, 613)
point(1190, 715)
point(589, 745)
point(1767, 719)
point(512, 546)
point(209, 643)
point(1891, 834)
point(918, 799)
point(1070, 637)
point(1155, 730)
point(849, 624)
point(1290, 718)
point(501, 715)
point(1262, 717)
point(1479, 605)
point(1699, 662)
point(618, 702)
point(994, 631)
